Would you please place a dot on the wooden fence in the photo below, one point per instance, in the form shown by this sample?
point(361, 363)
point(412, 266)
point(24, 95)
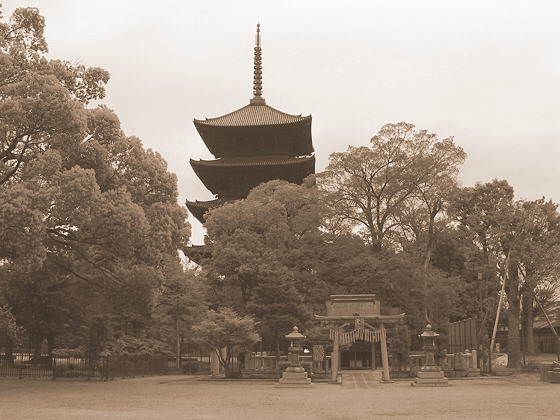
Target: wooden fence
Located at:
point(463, 335)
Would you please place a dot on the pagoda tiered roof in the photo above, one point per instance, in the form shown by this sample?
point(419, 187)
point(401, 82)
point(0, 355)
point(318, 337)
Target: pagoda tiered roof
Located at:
point(235, 177)
point(254, 161)
point(256, 129)
point(199, 208)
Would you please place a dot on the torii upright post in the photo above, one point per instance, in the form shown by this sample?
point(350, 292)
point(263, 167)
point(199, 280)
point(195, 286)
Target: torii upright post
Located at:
point(334, 356)
point(384, 355)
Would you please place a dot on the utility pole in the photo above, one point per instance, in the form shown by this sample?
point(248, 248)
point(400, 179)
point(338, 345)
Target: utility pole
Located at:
point(504, 278)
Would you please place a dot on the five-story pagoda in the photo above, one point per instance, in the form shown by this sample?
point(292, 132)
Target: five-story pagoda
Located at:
point(254, 144)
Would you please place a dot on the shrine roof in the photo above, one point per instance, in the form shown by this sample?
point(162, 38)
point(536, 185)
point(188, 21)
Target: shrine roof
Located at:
point(541, 322)
point(254, 114)
point(254, 161)
point(350, 307)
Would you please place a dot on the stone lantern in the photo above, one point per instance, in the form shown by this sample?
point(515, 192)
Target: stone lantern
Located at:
point(430, 374)
point(429, 337)
point(295, 375)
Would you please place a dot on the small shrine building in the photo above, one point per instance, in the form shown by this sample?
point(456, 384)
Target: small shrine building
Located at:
point(254, 144)
point(357, 319)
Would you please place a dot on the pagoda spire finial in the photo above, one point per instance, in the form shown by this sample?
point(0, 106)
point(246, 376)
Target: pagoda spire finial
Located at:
point(257, 74)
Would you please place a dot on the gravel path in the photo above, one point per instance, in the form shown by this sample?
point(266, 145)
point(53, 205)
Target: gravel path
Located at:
point(172, 397)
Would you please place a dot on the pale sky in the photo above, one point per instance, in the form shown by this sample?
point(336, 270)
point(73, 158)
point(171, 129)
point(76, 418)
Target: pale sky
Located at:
point(486, 72)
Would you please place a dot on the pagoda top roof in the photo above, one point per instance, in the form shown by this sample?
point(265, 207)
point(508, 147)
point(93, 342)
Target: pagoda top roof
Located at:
point(257, 112)
point(254, 114)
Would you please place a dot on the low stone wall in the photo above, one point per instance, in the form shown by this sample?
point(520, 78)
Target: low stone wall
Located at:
point(551, 372)
point(461, 364)
point(455, 365)
point(264, 366)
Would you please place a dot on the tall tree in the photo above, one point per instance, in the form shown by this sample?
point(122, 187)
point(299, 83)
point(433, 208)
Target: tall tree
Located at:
point(369, 187)
point(250, 237)
point(485, 212)
point(179, 305)
point(393, 191)
point(258, 247)
point(88, 215)
point(11, 333)
point(513, 236)
point(538, 265)
point(224, 328)
point(41, 101)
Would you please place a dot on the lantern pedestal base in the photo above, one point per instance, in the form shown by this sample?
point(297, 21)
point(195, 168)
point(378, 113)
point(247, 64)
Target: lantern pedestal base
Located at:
point(430, 376)
point(292, 379)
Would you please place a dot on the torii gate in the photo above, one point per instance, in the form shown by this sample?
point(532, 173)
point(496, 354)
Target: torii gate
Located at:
point(362, 312)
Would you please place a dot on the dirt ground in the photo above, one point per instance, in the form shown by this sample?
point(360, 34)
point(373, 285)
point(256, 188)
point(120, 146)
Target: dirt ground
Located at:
point(522, 396)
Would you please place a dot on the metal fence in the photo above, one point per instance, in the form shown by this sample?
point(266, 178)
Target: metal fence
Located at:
point(21, 366)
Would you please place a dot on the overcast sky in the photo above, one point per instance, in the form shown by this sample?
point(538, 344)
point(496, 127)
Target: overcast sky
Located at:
point(486, 72)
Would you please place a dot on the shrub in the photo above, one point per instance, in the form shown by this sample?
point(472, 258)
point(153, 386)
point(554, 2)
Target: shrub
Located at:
point(191, 366)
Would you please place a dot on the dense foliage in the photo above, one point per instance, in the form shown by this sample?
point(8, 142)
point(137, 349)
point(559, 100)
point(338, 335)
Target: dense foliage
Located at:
point(89, 218)
point(90, 232)
point(227, 333)
point(392, 220)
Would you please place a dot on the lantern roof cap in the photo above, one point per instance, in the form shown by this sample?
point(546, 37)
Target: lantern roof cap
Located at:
point(428, 332)
point(295, 335)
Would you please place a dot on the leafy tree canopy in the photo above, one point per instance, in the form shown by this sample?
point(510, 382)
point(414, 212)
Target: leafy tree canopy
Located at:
point(371, 187)
point(89, 216)
point(224, 328)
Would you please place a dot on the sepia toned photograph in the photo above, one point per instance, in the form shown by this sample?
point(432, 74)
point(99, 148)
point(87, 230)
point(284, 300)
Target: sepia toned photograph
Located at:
point(279, 210)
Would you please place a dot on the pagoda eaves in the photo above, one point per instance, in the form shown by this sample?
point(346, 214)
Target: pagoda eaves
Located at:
point(256, 130)
point(235, 177)
point(199, 208)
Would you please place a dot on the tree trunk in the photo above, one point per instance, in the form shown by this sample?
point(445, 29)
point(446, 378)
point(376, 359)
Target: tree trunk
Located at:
point(50, 341)
point(513, 347)
point(431, 234)
point(427, 257)
point(228, 361)
point(428, 254)
point(224, 357)
point(37, 344)
point(527, 323)
point(178, 343)
point(513, 314)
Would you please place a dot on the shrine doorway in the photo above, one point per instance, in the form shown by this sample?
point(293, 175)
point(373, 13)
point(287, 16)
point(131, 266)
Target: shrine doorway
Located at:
point(357, 356)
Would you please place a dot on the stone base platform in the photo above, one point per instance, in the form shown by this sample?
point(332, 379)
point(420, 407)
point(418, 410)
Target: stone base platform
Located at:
point(430, 376)
point(294, 380)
